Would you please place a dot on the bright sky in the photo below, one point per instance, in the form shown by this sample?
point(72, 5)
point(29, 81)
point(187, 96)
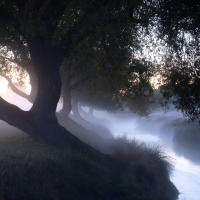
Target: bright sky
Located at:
point(4, 85)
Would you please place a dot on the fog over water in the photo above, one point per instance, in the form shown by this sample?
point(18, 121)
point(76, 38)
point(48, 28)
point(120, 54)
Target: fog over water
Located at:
point(157, 128)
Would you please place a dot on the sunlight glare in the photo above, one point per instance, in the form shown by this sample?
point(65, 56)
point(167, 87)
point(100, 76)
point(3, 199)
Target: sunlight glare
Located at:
point(3, 85)
point(156, 81)
point(27, 84)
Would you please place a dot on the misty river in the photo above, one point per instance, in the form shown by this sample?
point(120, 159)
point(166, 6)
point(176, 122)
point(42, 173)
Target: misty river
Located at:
point(151, 130)
point(186, 174)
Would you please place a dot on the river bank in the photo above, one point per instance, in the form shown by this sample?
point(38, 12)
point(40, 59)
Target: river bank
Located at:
point(32, 170)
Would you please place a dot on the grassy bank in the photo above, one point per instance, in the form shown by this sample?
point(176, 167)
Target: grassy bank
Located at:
point(35, 171)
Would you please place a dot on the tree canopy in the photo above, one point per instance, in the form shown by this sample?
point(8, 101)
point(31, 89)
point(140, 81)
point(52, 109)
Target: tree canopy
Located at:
point(180, 64)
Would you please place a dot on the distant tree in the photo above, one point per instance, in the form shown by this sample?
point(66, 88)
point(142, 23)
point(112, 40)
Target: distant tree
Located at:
point(182, 86)
point(104, 74)
point(137, 90)
point(181, 63)
point(127, 88)
point(94, 59)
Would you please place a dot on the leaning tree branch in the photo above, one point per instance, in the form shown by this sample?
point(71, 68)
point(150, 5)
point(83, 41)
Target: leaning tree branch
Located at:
point(15, 89)
point(10, 113)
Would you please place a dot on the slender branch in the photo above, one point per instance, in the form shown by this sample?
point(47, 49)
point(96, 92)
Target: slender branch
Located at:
point(15, 89)
point(85, 79)
point(74, 86)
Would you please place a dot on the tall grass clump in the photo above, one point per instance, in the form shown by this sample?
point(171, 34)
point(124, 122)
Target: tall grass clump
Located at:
point(144, 167)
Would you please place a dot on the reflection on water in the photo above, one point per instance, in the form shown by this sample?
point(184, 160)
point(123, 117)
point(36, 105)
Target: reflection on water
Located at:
point(186, 177)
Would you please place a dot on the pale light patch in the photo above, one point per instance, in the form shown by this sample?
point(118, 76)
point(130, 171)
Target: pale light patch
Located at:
point(27, 84)
point(3, 85)
point(156, 81)
point(122, 92)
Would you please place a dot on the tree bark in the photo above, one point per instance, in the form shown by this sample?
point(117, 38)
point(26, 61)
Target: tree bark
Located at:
point(82, 112)
point(78, 118)
point(66, 93)
point(46, 61)
point(33, 82)
point(75, 108)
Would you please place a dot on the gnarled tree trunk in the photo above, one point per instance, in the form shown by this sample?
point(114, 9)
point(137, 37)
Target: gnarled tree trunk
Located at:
point(41, 122)
point(75, 109)
point(77, 117)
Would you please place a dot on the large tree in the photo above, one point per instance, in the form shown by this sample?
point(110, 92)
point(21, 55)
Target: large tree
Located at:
point(46, 32)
